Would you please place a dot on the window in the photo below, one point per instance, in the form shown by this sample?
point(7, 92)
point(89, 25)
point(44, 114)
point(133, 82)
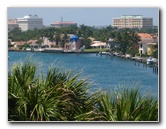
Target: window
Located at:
point(141, 45)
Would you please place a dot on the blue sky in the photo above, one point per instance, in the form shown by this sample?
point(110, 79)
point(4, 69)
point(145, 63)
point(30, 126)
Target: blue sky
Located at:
point(89, 16)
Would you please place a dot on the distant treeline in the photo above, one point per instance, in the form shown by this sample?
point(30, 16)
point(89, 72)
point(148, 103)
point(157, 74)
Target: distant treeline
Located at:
point(102, 34)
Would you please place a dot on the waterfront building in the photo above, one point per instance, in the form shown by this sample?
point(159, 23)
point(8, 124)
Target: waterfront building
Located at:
point(74, 44)
point(63, 24)
point(12, 23)
point(48, 43)
point(147, 44)
point(113, 44)
point(30, 22)
point(18, 45)
point(133, 21)
point(99, 44)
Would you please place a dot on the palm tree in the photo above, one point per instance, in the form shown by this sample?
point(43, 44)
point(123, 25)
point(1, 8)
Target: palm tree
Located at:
point(127, 105)
point(60, 96)
point(64, 96)
point(65, 38)
point(126, 38)
point(57, 38)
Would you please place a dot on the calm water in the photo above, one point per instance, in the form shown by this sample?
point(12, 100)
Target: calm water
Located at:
point(106, 72)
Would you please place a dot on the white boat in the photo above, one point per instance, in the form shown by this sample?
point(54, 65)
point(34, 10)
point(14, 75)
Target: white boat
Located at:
point(28, 49)
point(150, 61)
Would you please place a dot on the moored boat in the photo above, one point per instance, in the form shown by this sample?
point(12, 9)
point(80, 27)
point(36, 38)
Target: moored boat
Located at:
point(150, 61)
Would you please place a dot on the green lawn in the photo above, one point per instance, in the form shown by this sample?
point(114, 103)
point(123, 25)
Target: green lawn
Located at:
point(96, 50)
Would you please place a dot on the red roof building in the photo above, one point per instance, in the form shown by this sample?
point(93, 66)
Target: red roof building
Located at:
point(62, 24)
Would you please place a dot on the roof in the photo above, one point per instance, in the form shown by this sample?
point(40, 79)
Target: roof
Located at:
point(144, 35)
point(146, 41)
point(24, 42)
point(21, 43)
point(12, 23)
point(32, 41)
point(31, 16)
point(147, 38)
point(74, 37)
point(98, 43)
point(91, 38)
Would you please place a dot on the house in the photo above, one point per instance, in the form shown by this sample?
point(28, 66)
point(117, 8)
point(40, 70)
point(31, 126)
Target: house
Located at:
point(147, 44)
point(19, 45)
point(47, 42)
point(112, 44)
point(74, 44)
point(99, 44)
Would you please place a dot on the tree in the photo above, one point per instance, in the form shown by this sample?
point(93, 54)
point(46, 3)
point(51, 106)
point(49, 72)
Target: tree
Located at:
point(126, 38)
point(60, 96)
point(155, 52)
point(86, 31)
point(86, 42)
point(15, 34)
point(39, 41)
point(65, 38)
point(133, 50)
point(57, 38)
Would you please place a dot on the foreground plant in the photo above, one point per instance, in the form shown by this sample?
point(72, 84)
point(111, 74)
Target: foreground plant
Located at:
point(127, 105)
point(60, 96)
point(63, 96)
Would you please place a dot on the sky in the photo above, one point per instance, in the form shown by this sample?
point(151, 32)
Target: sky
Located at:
point(91, 16)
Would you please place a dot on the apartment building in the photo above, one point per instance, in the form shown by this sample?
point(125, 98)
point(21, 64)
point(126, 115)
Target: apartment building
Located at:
point(30, 22)
point(133, 21)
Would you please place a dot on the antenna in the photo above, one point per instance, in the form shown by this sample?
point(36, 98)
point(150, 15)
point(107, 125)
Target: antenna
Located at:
point(61, 19)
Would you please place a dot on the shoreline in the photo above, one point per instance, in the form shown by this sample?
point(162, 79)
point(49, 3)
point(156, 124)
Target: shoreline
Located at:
point(50, 51)
point(136, 59)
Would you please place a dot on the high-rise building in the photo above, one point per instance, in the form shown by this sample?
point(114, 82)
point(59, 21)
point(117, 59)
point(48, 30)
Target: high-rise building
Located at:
point(133, 21)
point(30, 22)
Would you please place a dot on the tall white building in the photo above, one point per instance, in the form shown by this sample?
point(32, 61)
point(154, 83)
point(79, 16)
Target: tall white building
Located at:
point(30, 22)
point(133, 21)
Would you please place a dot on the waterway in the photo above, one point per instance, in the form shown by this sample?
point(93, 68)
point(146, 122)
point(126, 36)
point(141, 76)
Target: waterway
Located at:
point(107, 73)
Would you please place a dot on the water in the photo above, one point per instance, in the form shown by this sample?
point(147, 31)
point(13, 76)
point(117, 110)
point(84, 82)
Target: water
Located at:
point(106, 72)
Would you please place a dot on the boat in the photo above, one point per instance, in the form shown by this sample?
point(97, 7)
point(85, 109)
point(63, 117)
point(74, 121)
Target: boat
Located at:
point(150, 61)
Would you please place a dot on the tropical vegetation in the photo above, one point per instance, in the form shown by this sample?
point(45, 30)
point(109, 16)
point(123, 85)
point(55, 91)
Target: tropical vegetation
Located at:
point(65, 96)
point(126, 38)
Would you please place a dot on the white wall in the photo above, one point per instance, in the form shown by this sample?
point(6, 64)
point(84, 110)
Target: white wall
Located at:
point(143, 48)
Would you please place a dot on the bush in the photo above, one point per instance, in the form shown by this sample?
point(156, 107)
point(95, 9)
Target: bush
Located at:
point(155, 54)
point(137, 54)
